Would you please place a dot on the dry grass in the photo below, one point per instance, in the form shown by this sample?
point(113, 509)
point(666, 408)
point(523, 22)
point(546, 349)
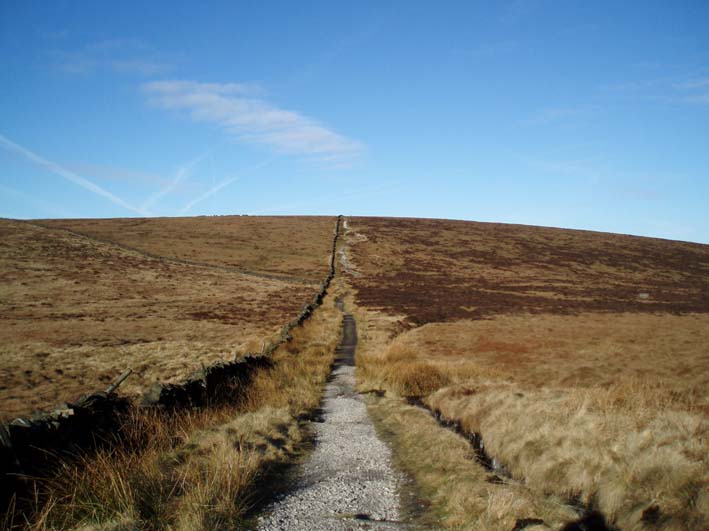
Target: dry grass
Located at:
point(580, 387)
point(589, 350)
point(633, 462)
point(284, 245)
point(629, 438)
point(412, 379)
point(459, 490)
point(76, 312)
point(198, 470)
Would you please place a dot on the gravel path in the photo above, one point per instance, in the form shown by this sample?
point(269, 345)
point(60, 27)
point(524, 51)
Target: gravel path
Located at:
point(348, 482)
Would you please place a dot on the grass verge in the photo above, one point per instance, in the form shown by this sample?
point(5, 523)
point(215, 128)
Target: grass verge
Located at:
point(195, 470)
point(460, 493)
point(632, 445)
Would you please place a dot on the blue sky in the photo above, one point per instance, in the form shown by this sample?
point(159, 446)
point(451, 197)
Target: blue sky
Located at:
point(577, 114)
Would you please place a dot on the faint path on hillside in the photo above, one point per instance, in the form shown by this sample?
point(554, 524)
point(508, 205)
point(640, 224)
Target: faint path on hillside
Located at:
point(175, 260)
point(348, 482)
point(350, 237)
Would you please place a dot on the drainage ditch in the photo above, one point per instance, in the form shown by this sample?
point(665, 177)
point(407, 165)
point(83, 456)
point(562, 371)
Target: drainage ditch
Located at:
point(590, 518)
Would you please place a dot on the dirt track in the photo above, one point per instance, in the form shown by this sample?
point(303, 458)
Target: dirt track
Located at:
point(348, 482)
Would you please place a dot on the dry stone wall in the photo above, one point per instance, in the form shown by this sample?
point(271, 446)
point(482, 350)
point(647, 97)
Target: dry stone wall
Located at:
point(32, 446)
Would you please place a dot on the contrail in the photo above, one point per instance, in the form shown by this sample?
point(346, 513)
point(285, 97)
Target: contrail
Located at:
point(69, 175)
point(224, 183)
point(208, 193)
point(182, 172)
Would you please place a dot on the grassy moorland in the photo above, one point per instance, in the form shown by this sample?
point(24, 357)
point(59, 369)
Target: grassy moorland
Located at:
point(200, 469)
point(580, 358)
point(76, 311)
point(276, 245)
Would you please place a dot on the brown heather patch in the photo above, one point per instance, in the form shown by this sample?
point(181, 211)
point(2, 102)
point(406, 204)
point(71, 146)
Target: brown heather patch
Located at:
point(439, 270)
point(75, 312)
point(297, 246)
point(539, 340)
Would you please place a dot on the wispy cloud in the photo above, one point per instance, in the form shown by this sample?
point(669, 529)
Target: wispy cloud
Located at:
point(694, 84)
point(53, 167)
point(123, 56)
point(246, 117)
point(700, 99)
point(139, 66)
point(695, 91)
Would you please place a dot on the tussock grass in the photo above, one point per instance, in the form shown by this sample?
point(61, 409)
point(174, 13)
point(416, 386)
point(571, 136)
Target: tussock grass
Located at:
point(196, 470)
point(623, 456)
point(459, 490)
point(628, 438)
point(404, 374)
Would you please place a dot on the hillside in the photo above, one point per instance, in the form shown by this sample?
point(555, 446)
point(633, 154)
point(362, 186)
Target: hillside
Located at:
point(525, 377)
point(578, 360)
point(278, 245)
point(436, 270)
point(76, 311)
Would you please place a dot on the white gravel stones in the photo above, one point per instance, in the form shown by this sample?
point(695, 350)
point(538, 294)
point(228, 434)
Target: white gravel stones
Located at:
point(348, 483)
